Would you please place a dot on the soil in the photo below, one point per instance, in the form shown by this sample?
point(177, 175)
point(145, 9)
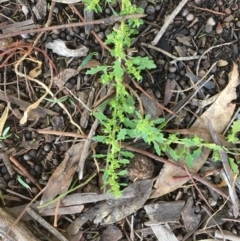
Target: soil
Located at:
point(50, 140)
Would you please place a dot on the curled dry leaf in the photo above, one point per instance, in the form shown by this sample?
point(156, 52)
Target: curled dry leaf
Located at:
point(36, 71)
point(220, 113)
point(58, 46)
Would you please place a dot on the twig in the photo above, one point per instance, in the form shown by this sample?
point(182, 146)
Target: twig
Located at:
point(199, 81)
point(175, 59)
point(92, 31)
point(25, 171)
point(22, 213)
point(174, 164)
point(85, 149)
point(45, 224)
point(61, 133)
point(213, 47)
point(168, 21)
point(106, 21)
point(227, 171)
point(207, 10)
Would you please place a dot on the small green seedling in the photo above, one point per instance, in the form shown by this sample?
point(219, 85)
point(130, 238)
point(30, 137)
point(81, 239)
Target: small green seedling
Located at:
point(24, 184)
point(5, 134)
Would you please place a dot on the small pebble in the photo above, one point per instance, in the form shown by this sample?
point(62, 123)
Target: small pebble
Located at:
point(208, 28)
point(47, 147)
point(211, 21)
point(198, 2)
point(190, 17)
point(238, 24)
point(185, 12)
point(219, 28)
point(227, 11)
point(26, 157)
point(150, 10)
point(142, 4)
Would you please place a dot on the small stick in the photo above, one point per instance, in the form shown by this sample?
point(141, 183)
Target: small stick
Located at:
point(45, 224)
point(26, 173)
point(61, 133)
point(168, 21)
point(213, 47)
point(92, 31)
point(70, 25)
point(207, 10)
point(175, 59)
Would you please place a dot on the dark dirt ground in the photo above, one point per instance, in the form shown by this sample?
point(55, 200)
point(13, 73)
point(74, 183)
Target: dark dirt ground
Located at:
point(37, 147)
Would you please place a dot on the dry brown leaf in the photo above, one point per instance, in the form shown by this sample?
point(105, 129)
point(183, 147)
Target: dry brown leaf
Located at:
point(3, 119)
point(220, 113)
point(62, 176)
point(40, 9)
point(64, 76)
point(31, 107)
point(91, 64)
point(111, 233)
point(36, 71)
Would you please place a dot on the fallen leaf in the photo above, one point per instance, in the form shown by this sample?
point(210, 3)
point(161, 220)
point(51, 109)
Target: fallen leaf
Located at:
point(62, 176)
point(30, 108)
point(168, 91)
point(36, 71)
point(64, 76)
point(111, 233)
point(113, 210)
point(181, 50)
point(3, 119)
point(183, 39)
point(40, 9)
point(220, 113)
point(58, 46)
point(190, 219)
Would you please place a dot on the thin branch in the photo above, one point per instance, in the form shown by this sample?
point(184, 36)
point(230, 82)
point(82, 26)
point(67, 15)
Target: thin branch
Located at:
point(169, 21)
point(106, 21)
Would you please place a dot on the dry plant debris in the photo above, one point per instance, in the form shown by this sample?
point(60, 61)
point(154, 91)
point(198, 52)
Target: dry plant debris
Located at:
point(51, 86)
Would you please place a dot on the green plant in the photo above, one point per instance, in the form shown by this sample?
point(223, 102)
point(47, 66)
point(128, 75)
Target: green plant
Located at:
point(124, 122)
point(5, 134)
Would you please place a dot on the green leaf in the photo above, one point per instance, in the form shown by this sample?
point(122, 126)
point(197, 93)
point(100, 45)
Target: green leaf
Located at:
point(97, 69)
point(100, 116)
point(99, 138)
point(85, 61)
point(233, 165)
point(173, 154)
point(127, 154)
point(189, 159)
point(197, 153)
point(124, 161)
point(188, 142)
point(22, 182)
point(157, 148)
point(5, 131)
point(122, 173)
point(122, 134)
point(117, 69)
